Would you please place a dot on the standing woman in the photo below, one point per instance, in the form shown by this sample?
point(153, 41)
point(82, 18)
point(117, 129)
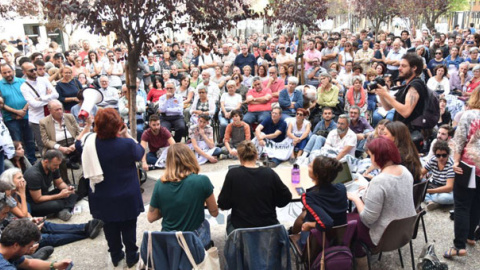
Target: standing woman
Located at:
point(67, 89)
point(466, 200)
point(78, 68)
point(348, 54)
point(116, 200)
point(181, 194)
point(93, 66)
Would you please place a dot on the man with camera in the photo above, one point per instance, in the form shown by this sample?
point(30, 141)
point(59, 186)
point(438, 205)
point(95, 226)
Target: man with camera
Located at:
point(406, 101)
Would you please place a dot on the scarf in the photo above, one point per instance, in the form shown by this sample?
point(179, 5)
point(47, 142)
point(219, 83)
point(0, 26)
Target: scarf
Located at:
point(351, 99)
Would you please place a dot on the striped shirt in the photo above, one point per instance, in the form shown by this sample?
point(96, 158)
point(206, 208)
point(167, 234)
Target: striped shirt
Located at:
point(439, 177)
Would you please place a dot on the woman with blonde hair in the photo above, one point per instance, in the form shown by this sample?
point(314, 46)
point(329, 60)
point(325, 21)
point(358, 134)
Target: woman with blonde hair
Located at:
point(180, 195)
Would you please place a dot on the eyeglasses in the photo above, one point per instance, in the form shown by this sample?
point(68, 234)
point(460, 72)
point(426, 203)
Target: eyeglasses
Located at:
point(169, 88)
point(32, 70)
point(438, 53)
point(202, 92)
point(441, 155)
point(281, 48)
point(236, 78)
point(300, 114)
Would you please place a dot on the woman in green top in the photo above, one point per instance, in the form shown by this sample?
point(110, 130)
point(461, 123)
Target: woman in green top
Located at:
point(327, 93)
point(180, 195)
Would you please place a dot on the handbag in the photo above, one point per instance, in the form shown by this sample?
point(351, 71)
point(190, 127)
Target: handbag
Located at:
point(334, 257)
point(141, 265)
point(46, 111)
point(211, 260)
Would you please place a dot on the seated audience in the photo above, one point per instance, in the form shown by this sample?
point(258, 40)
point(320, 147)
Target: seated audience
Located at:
point(440, 186)
point(360, 126)
point(259, 104)
point(229, 102)
point(299, 130)
point(18, 160)
point(252, 192)
point(158, 139)
point(202, 142)
point(47, 192)
point(356, 96)
point(236, 132)
point(202, 105)
point(378, 132)
point(388, 197)
point(343, 140)
point(290, 99)
point(181, 194)
point(445, 116)
point(444, 133)
point(17, 239)
point(123, 110)
point(170, 107)
point(110, 94)
point(439, 82)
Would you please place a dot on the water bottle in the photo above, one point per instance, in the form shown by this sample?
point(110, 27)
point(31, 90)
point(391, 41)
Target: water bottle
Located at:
point(295, 174)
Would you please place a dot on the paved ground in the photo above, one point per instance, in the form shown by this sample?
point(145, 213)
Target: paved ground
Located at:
point(93, 254)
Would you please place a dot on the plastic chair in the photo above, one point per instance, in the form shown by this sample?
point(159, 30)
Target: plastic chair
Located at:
point(337, 236)
point(167, 253)
point(419, 192)
point(258, 248)
point(397, 234)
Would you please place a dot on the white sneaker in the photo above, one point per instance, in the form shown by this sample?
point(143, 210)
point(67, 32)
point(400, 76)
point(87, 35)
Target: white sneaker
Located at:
point(301, 160)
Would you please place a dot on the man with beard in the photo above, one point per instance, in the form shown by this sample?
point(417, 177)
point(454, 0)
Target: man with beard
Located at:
point(37, 91)
point(406, 101)
point(17, 239)
point(156, 137)
point(343, 140)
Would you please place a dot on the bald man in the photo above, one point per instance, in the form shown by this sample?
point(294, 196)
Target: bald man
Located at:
point(393, 59)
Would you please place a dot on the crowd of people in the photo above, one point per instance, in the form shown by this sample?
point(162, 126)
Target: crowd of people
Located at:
point(349, 97)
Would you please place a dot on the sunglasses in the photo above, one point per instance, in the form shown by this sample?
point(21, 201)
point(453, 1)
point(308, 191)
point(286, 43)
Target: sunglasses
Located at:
point(300, 114)
point(281, 48)
point(32, 70)
point(438, 53)
point(441, 155)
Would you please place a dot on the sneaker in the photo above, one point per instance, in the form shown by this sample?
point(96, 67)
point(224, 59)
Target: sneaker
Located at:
point(73, 165)
point(64, 215)
point(301, 160)
point(93, 228)
point(43, 253)
point(270, 164)
point(222, 156)
point(225, 150)
point(432, 206)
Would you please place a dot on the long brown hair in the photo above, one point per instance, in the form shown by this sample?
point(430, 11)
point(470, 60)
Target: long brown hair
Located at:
point(181, 162)
point(408, 151)
point(21, 160)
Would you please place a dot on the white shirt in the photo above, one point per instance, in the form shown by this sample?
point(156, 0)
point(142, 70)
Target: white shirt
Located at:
point(60, 131)
point(207, 59)
point(213, 92)
point(392, 55)
point(110, 98)
point(281, 59)
point(35, 103)
point(335, 142)
point(231, 102)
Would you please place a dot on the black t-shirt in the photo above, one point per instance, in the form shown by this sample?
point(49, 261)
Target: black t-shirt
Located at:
point(37, 179)
point(401, 95)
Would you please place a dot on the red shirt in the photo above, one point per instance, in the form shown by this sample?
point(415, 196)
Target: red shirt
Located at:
point(155, 94)
point(158, 141)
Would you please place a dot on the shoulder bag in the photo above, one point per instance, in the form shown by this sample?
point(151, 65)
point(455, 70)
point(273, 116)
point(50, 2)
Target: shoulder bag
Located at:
point(46, 112)
point(210, 261)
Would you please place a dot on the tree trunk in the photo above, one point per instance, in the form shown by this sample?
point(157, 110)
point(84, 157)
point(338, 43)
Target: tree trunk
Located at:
point(131, 82)
point(299, 52)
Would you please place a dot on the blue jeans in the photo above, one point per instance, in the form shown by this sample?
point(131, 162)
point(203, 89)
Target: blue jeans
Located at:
point(203, 232)
point(223, 125)
point(217, 152)
point(314, 143)
point(372, 102)
point(377, 117)
point(20, 131)
point(61, 234)
point(440, 198)
point(252, 117)
point(301, 145)
point(2, 158)
point(151, 158)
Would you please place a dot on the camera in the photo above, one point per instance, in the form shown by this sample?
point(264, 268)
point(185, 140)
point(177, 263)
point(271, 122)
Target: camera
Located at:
point(374, 84)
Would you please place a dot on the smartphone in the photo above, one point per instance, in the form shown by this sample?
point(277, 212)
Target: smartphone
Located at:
point(300, 190)
point(70, 266)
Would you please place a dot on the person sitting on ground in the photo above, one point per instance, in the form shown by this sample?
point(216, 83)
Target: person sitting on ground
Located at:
point(325, 204)
point(319, 134)
point(259, 103)
point(272, 130)
point(228, 102)
point(342, 141)
point(237, 131)
point(16, 240)
point(202, 105)
point(13, 184)
point(181, 194)
point(360, 126)
point(47, 192)
point(298, 131)
point(290, 99)
point(158, 139)
point(445, 116)
point(444, 133)
point(440, 186)
point(388, 197)
point(356, 96)
point(202, 142)
point(19, 160)
point(252, 192)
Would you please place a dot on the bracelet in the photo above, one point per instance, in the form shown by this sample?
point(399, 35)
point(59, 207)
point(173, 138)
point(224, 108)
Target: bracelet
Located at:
point(51, 265)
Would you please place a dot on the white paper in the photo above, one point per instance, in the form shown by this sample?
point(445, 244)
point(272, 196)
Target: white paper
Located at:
point(472, 182)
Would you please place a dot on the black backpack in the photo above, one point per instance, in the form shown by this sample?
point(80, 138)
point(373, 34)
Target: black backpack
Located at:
point(431, 112)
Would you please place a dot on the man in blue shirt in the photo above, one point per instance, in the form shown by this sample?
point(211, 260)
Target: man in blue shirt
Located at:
point(272, 128)
point(15, 110)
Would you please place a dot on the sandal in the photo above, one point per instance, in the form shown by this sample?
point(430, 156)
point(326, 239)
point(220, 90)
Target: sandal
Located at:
point(449, 253)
